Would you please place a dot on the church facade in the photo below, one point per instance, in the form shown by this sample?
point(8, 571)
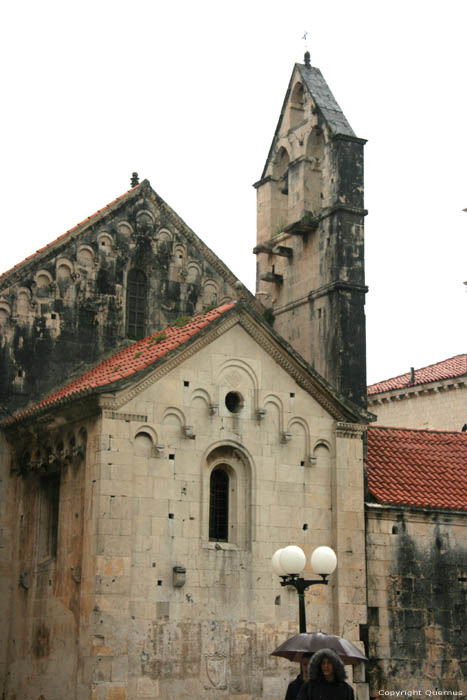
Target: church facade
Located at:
point(164, 432)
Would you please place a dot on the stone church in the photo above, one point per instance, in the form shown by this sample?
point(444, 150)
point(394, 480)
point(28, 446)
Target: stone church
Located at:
point(164, 432)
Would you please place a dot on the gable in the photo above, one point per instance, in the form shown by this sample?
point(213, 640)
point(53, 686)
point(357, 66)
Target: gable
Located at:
point(74, 301)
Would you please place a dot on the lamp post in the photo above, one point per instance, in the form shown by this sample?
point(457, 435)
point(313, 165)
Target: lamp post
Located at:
point(289, 562)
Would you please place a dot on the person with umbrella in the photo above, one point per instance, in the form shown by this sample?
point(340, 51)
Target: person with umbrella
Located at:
point(326, 678)
point(295, 685)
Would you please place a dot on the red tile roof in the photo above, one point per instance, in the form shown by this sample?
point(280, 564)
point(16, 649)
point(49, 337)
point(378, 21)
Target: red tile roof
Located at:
point(447, 369)
point(85, 222)
point(419, 468)
point(129, 361)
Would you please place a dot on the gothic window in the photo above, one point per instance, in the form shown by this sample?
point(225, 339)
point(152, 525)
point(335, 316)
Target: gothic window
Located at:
point(219, 506)
point(48, 516)
point(297, 105)
point(136, 304)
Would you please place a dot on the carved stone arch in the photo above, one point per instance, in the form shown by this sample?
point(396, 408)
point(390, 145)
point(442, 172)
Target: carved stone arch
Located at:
point(299, 430)
point(105, 242)
point(194, 272)
point(64, 273)
point(274, 417)
point(23, 301)
point(322, 454)
point(85, 256)
point(315, 151)
point(210, 293)
point(281, 187)
point(235, 462)
point(281, 162)
point(202, 395)
point(297, 104)
point(225, 300)
point(145, 428)
point(145, 441)
point(43, 284)
point(236, 376)
point(179, 255)
point(5, 312)
point(164, 240)
point(201, 408)
point(173, 424)
point(125, 228)
point(146, 216)
point(64, 268)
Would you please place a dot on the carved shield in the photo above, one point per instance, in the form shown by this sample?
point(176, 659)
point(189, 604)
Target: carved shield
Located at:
point(215, 670)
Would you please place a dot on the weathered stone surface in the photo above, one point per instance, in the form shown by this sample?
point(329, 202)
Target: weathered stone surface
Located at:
point(417, 597)
point(68, 306)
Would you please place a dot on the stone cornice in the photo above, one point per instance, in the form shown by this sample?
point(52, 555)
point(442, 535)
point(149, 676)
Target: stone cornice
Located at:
point(375, 511)
point(350, 430)
point(417, 390)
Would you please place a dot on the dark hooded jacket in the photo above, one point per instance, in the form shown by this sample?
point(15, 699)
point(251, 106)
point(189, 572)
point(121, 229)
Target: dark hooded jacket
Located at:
point(318, 688)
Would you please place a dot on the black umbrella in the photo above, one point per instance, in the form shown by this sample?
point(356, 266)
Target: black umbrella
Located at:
point(294, 648)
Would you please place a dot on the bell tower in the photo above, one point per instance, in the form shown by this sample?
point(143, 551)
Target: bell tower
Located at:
point(310, 233)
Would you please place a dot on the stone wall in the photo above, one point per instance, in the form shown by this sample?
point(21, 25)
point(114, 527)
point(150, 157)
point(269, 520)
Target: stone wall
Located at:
point(436, 406)
point(417, 588)
point(294, 477)
point(45, 521)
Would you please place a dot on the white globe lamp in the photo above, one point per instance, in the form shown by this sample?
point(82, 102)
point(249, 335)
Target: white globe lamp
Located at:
point(292, 559)
point(323, 561)
point(276, 565)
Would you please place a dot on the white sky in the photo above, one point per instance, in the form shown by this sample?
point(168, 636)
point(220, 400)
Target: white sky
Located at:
point(189, 93)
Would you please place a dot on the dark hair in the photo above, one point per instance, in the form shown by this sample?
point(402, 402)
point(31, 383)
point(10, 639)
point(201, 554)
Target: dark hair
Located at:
point(315, 673)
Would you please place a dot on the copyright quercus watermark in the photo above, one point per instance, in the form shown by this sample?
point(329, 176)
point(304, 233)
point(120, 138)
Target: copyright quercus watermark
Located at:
point(419, 693)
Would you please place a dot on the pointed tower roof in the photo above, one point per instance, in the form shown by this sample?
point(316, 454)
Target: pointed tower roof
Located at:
point(313, 81)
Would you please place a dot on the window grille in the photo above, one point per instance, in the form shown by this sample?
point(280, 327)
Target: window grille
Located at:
point(219, 506)
point(136, 304)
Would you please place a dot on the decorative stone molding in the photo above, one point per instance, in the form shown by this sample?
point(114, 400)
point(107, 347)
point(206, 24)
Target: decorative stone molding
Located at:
point(114, 415)
point(350, 430)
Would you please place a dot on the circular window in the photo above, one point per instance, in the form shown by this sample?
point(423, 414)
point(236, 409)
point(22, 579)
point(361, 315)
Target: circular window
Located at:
point(234, 401)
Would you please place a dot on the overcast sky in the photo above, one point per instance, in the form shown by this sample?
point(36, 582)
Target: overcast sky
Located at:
point(189, 93)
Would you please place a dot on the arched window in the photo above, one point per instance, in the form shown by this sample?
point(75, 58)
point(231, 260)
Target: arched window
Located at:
point(136, 304)
point(219, 506)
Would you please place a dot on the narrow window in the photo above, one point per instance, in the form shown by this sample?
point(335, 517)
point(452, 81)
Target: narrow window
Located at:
point(136, 304)
point(49, 514)
point(219, 506)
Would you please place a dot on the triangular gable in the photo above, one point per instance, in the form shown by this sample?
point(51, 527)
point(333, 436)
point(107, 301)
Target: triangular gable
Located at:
point(130, 371)
point(141, 191)
point(312, 79)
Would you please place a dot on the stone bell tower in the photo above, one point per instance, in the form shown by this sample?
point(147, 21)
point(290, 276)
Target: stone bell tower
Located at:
point(310, 224)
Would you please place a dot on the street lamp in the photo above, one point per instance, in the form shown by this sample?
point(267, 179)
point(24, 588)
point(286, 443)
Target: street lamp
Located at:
point(289, 562)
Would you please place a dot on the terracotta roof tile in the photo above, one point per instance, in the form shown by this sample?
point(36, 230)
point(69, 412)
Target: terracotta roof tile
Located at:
point(418, 468)
point(447, 369)
point(129, 361)
point(81, 224)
